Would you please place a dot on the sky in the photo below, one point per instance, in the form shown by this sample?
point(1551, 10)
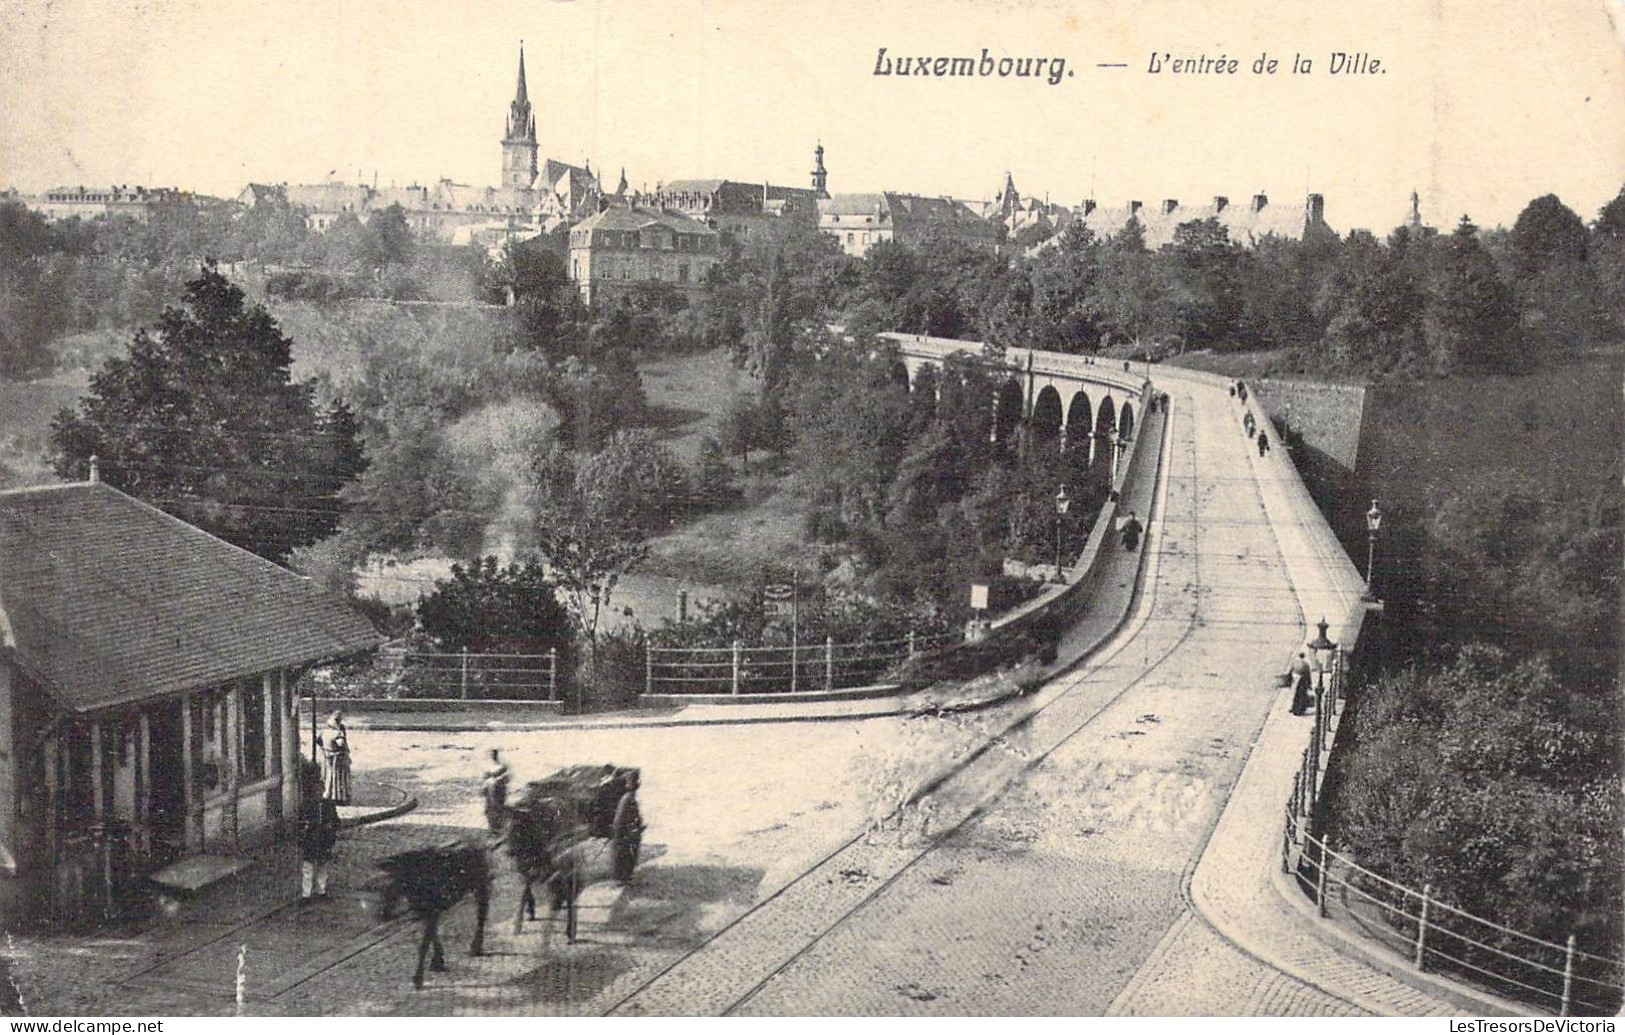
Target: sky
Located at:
point(1481, 104)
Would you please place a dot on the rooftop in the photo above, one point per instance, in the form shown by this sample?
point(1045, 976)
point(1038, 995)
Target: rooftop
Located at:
point(106, 600)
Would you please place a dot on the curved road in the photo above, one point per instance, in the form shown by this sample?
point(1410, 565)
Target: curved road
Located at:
point(1069, 844)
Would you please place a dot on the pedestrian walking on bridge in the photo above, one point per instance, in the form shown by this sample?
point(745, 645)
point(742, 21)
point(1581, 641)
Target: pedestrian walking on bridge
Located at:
point(1131, 530)
point(1263, 444)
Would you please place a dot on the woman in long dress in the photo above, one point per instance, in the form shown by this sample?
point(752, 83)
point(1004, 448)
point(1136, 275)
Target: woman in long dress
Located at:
point(336, 757)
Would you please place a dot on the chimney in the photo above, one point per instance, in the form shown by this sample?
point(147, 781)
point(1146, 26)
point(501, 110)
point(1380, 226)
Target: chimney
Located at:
point(95, 470)
point(1088, 205)
point(1133, 208)
point(1220, 203)
point(1168, 206)
point(1317, 209)
point(1259, 201)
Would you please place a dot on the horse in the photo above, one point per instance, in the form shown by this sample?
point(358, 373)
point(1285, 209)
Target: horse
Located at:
point(546, 848)
point(432, 880)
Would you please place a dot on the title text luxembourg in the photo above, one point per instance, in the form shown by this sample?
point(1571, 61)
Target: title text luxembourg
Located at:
point(1051, 69)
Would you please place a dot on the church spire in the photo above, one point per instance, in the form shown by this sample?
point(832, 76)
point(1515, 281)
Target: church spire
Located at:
point(519, 142)
point(820, 175)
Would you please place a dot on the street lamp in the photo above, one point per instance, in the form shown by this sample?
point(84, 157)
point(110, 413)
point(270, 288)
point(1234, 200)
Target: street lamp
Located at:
point(1061, 505)
point(1120, 443)
point(1373, 522)
point(1323, 649)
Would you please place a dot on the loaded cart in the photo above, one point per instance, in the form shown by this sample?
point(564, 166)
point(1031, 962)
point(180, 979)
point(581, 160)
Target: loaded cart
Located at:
point(601, 801)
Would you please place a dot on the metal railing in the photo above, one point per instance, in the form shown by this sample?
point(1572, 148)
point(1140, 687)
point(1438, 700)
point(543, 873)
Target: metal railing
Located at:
point(1435, 935)
point(1415, 925)
point(825, 665)
point(473, 676)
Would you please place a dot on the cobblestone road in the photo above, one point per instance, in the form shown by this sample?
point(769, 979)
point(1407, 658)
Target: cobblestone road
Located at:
point(1051, 894)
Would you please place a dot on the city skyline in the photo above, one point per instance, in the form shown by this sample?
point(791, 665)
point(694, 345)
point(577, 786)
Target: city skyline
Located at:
point(1480, 107)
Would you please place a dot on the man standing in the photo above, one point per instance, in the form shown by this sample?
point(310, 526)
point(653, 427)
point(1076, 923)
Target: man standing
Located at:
point(494, 790)
point(318, 834)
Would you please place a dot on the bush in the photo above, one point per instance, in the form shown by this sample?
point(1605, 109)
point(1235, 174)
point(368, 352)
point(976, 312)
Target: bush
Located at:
point(487, 609)
point(1488, 781)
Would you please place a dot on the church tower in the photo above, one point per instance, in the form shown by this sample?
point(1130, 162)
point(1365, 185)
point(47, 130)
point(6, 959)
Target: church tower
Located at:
point(820, 175)
point(519, 145)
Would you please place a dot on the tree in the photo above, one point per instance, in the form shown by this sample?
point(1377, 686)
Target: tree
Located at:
point(202, 419)
point(1611, 217)
point(1471, 317)
point(1374, 309)
point(485, 608)
point(1135, 297)
point(1209, 269)
point(588, 541)
point(388, 240)
point(849, 419)
point(1547, 232)
point(712, 478)
point(739, 427)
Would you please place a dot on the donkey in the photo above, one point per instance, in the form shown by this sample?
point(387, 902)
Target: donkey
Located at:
point(432, 880)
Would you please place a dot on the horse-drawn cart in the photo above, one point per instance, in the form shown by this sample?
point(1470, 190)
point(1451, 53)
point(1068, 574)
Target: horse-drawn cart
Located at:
point(599, 801)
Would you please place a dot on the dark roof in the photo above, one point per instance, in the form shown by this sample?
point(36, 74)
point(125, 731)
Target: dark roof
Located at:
point(106, 600)
point(623, 217)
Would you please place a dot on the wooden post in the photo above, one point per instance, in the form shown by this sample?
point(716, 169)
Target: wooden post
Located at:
point(465, 673)
point(1568, 978)
point(142, 781)
point(829, 662)
point(648, 669)
point(736, 667)
point(231, 754)
point(290, 746)
point(188, 778)
point(267, 734)
point(552, 673)
point(98, 799)
point(911, 650)
point(1420, 957)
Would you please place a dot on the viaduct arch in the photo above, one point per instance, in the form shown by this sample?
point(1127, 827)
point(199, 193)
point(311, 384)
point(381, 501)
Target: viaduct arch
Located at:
point(1080, 405)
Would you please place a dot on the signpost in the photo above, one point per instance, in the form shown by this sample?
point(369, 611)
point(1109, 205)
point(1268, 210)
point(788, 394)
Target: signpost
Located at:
point(976, 629)
point(783, 600)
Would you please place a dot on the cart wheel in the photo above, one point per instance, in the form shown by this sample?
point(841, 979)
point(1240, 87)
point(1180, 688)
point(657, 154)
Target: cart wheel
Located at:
point(627, 837)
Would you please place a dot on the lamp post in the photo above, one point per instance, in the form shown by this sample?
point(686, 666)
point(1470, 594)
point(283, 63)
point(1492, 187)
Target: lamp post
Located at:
point(1062, 503)
point(1323, 649)
point(1373, 522)
point(1120, 443)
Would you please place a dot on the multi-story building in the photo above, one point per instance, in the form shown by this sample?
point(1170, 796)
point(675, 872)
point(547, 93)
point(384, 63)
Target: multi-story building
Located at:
point(627, 248)
point(103, 202)
point(734, 207)
point(1246, 225)
point(861, 221)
